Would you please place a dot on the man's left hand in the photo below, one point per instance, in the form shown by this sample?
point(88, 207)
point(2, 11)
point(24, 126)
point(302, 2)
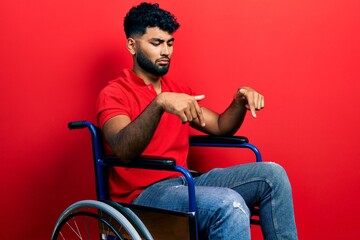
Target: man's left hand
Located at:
point(254, 101)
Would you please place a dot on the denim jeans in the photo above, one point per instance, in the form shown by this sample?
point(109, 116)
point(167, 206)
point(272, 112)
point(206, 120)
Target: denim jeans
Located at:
point(224, 196)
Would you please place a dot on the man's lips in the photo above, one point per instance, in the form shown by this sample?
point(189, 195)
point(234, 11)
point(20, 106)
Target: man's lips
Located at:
point(163, 61)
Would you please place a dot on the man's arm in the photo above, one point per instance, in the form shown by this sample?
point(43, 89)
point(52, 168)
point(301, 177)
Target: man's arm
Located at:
point(129, 139)
point(230, 120)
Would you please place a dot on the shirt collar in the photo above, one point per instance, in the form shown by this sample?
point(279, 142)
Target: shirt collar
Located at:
point(136, 79)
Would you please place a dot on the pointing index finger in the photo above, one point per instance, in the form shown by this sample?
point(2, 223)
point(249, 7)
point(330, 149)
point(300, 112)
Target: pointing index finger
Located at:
point(198, 109)
point(199, 97)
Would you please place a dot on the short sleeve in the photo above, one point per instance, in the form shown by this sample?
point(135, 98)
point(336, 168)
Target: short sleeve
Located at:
point(111, 102)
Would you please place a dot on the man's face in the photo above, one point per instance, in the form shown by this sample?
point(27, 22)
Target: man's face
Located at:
point(153, 51)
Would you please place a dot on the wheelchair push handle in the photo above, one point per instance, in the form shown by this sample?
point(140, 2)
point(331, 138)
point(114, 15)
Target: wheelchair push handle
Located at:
point(77, 125)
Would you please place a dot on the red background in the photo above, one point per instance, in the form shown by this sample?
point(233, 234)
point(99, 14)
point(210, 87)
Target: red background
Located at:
point(302, 55)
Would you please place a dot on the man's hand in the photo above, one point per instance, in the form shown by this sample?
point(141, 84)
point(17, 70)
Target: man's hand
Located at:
point(253, 100)
point(186, 107)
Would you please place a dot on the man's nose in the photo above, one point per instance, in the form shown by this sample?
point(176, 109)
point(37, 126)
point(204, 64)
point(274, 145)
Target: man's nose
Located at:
point(165, 51)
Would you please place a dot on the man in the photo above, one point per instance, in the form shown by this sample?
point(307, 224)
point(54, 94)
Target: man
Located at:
point(143, 112)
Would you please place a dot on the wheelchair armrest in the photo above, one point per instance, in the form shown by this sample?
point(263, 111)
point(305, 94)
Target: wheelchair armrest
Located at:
point(144, 162)
point(208, 140)
point(157, 163)
point(231, 141)
point(78, 124)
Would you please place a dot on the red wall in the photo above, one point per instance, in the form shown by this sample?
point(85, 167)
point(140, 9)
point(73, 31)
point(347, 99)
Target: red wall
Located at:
point(302, 55)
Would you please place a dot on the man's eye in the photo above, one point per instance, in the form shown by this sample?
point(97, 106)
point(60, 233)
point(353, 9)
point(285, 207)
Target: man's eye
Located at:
point(170, 44)
point(155, 43)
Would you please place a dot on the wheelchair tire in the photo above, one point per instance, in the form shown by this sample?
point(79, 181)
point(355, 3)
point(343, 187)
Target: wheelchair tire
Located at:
point(90, 219)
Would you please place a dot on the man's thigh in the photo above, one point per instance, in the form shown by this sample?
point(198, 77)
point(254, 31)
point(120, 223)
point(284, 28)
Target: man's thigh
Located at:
point(251, 181)
point(173, 195)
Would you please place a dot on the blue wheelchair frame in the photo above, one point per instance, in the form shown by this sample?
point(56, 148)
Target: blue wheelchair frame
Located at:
point(103, 162)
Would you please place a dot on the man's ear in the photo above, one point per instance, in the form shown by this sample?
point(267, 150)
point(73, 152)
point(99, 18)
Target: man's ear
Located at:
point(131, 45)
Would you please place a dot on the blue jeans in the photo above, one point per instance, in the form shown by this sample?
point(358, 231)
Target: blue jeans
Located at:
point(224, 196)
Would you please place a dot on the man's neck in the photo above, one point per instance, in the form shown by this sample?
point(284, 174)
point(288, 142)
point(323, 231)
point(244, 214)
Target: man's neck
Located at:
point(149, 79)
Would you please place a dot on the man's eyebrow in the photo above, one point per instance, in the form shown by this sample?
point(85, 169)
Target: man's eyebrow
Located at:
point(161, 40)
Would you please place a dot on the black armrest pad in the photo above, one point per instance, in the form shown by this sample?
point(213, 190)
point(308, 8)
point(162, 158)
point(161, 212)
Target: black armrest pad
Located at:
point(145, 162)
point(204, 139)
point(76, 125)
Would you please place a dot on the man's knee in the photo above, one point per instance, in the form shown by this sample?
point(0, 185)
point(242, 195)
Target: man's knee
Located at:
point(229, 204)
point(229, 216)
point(276, 175)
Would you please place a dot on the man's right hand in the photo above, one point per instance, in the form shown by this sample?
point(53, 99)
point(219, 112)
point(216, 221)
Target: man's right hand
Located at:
point(184, 106)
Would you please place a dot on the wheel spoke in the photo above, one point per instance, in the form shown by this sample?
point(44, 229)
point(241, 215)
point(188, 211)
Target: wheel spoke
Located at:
point(89, 219)
point(77, 232)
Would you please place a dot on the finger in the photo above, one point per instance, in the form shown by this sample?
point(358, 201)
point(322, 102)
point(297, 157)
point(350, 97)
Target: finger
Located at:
point(254, 98)
point(253, 111)
point(188, 115)
point(193, 112)
point(183, 117)
point(260, 102)
point(199, 97)
point(252, 105)
point(199, 114)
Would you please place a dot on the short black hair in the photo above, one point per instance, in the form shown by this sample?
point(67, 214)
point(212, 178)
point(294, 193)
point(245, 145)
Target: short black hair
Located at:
point(148, 15)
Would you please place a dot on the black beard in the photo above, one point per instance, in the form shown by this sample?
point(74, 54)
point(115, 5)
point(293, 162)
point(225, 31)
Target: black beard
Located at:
point(150, 67)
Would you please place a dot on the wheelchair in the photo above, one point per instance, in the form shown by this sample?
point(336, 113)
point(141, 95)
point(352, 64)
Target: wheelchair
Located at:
point(104, 219)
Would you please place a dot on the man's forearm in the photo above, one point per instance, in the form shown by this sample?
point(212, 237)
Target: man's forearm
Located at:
point(232, 118)
point(132, 140)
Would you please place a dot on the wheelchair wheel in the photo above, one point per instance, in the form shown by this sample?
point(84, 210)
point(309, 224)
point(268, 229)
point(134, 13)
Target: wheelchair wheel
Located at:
point(89, 219)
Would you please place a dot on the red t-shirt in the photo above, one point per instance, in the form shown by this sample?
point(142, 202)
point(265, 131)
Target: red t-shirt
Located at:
point(129, 95)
